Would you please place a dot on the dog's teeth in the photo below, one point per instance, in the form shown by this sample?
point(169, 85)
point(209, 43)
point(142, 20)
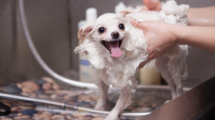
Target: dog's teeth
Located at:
point(106, 43)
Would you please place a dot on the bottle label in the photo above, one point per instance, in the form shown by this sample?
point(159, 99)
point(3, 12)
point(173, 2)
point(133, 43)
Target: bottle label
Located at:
point(85, 62)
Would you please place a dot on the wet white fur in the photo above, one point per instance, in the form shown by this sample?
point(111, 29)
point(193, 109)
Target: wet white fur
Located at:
point(119, 72)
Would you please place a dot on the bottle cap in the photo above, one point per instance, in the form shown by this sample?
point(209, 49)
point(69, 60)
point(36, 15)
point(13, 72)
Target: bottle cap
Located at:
point(121, 6)
point(91, 14)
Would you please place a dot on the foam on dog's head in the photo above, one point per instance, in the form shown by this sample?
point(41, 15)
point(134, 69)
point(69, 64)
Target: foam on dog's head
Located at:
point(105, 17)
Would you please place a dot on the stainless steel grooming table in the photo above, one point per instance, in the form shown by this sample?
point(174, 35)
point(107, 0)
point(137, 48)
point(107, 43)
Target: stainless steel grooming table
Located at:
point(196, 104)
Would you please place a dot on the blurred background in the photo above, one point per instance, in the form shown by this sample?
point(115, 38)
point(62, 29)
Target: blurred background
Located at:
point(53, 25)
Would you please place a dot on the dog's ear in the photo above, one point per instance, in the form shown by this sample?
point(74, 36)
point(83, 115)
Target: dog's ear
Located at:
point(85, 30)
point(125, 12)
point(131, 10)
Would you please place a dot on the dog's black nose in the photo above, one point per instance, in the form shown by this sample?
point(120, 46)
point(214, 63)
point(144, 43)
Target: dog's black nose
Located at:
point(115, 35)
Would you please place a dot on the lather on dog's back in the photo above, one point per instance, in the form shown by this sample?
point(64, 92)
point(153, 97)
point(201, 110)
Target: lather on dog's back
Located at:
point(115, 49)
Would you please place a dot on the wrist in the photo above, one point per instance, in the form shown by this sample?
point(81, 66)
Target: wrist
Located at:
point(174, 33)
point(177, 33)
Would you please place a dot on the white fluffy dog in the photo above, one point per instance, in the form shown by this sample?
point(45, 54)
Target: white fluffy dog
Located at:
point(115, 49)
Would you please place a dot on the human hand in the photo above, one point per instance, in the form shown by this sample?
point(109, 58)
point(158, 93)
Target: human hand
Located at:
point(152, 5)
point(159, 37)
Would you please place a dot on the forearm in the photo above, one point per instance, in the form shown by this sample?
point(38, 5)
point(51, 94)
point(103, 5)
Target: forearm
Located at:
point(201, 37)
point(201, 16)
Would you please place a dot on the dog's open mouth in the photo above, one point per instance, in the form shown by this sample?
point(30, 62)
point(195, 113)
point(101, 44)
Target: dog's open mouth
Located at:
point(113, 47)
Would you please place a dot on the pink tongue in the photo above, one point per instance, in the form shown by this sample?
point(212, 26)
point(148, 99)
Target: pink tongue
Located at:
point(115, 51)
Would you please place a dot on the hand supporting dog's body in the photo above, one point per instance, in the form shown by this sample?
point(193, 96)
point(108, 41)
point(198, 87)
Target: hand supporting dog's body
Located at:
point(165, 39)
point(115, 49)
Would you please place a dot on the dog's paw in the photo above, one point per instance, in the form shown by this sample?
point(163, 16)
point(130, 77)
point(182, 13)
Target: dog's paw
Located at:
point(99, 107)
point(111, 118)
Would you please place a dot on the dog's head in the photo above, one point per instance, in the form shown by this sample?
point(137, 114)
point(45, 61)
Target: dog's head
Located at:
point(109, 30)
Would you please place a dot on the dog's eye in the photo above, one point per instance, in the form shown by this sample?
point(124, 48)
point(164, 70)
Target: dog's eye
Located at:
point(101, 29)
point(121, 26)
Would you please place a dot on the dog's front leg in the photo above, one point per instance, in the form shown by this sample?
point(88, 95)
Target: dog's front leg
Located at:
point(122, 103)
point(103, 89)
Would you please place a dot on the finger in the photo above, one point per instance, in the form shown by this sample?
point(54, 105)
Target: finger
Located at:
point(158, 8)
point(144, 8)
point(133, 21)
point(140, 25)
point(151, 4)
point(137, 24)
point(142, 64)
point(150, 57)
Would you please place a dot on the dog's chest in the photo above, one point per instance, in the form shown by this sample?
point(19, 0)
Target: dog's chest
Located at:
point(120, 72)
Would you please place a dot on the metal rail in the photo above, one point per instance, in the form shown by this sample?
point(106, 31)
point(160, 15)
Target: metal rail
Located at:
point(66, 105)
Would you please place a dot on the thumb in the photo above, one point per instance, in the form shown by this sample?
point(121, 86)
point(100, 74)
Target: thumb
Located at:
point(145, 25)
point(151, 4)
point(140, 25)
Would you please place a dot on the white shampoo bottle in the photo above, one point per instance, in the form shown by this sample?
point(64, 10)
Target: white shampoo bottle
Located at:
point(86, 73)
